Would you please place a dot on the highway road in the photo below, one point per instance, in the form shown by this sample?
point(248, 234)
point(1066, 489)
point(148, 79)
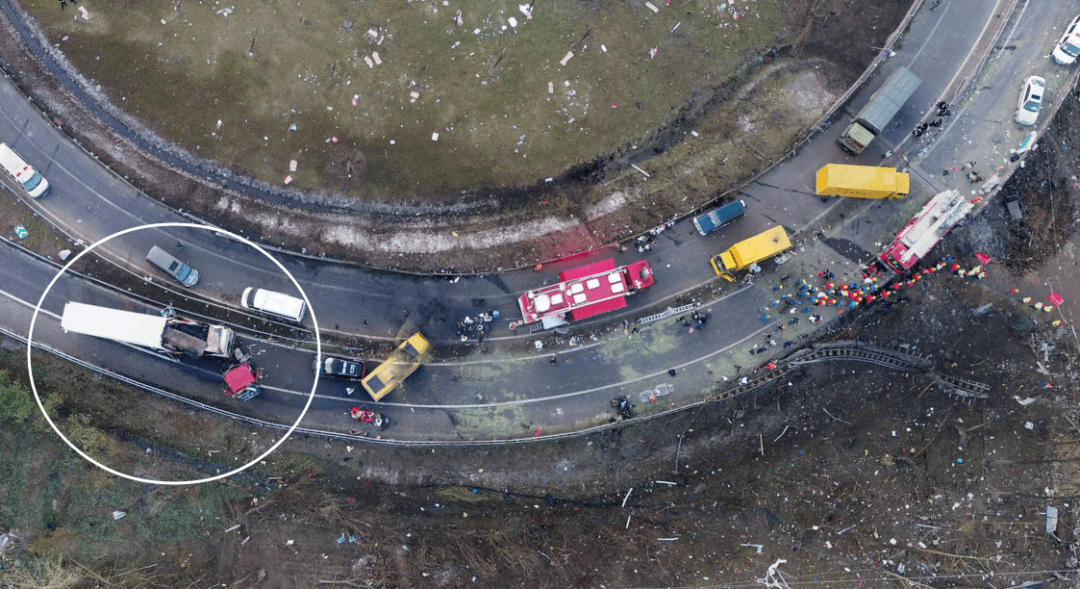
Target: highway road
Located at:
point(506, 386)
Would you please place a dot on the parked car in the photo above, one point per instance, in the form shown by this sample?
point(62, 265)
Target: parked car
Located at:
point(335, 367)
point(185, 274)
point(1068, 47)
point(713, 220)
point(274, 303)
point(1031, 97)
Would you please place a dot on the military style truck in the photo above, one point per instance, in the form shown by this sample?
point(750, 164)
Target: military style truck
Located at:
point(883, 106)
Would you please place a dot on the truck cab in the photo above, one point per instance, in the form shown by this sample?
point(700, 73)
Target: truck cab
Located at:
point(242, 382)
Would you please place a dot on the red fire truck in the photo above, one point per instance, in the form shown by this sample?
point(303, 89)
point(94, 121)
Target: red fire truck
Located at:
point(925, 230)
point(584, 292)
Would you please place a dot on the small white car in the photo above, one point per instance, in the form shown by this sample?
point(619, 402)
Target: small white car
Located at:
point(1031, 97)
point(1068, 47)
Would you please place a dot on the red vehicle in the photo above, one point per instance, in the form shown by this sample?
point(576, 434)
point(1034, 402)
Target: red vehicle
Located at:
point(925, 230)
point(584, 292)
point(242, 382)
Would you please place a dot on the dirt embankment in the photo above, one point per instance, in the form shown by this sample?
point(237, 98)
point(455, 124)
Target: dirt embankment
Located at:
point(580, 209)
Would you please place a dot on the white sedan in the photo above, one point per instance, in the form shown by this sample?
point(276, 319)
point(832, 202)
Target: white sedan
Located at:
point(1068, 47)
point(1027, 111)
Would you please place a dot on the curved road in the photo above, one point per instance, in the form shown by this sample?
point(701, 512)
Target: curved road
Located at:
point(518, 389)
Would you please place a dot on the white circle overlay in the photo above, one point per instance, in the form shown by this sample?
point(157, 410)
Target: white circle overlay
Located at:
point(30, 347)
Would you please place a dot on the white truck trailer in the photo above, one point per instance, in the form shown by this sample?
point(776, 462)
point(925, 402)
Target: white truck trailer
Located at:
point(157, 333)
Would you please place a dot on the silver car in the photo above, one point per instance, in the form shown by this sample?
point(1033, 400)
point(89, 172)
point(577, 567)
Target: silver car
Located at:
point(1031, 97)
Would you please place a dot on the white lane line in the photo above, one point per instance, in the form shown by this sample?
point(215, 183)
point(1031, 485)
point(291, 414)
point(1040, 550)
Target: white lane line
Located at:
point(564, 395)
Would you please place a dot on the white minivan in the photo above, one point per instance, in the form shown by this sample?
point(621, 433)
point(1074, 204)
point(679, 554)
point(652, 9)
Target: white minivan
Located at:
point(273, 303)
point(20, 171)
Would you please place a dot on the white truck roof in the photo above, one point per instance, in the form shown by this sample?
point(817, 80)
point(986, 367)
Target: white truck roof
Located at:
point(121, 326)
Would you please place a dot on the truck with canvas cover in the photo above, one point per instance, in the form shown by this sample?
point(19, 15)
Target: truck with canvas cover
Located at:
point(153, 332)
point(746, 253)
point(402, 362)
point(883, 106)
point(862, 182)
point(717, 218)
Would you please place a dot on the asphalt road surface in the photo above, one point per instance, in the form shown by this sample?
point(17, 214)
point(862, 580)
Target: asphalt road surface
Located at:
point(507, 386)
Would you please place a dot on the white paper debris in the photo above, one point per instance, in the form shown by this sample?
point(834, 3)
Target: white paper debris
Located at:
point(292, 165)
point(434, 136)
point(565, 59)
point(650, 6)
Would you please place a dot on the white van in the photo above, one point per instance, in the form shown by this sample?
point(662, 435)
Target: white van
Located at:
point(187, 275)
point(274, 303)
point(21, 172)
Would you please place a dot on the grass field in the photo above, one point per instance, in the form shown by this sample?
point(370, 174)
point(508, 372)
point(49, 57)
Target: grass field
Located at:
point(230, 83)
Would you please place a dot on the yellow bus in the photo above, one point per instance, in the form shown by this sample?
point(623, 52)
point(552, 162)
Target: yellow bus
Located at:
point(402, 362)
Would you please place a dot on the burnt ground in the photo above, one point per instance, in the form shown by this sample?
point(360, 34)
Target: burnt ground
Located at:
point(812, 25)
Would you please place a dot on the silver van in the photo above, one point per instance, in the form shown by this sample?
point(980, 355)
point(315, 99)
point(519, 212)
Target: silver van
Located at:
point(274, 303)
point(187, 275)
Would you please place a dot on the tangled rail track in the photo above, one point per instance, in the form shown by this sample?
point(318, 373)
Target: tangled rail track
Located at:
point(896, 359)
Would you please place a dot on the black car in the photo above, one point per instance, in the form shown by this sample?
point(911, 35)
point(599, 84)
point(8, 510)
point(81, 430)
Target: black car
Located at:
point(338, 367)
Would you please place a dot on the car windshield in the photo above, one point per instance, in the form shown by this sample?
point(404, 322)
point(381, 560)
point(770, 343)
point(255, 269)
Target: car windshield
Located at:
point(184, 272)
point(33, 182)
point(1071, 49)
point(1032, 106)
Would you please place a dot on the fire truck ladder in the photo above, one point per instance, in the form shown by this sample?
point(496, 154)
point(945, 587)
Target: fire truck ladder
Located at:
point(667, 313)
point(956, 211)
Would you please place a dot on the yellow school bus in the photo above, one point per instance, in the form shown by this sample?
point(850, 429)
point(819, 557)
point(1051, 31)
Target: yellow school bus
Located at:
point(402, 362)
